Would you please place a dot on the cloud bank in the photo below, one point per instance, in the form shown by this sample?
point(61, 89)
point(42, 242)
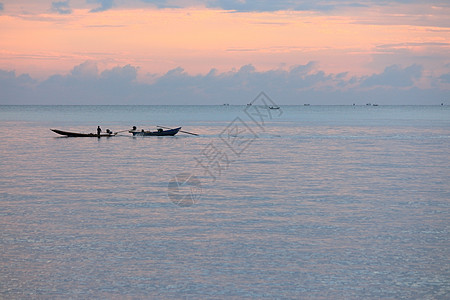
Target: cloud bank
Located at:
point(394, 76)
point(297, 85)
point(267, 5)
point(325, 6)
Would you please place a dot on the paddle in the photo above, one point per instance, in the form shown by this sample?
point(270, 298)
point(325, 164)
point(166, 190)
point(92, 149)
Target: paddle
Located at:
point(180, 130)
point(121, 131)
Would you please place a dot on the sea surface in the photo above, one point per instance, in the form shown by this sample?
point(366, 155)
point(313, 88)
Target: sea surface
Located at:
point(304, 202)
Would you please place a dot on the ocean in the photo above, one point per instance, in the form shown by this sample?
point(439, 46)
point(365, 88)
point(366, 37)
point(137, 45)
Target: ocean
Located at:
point(301, 202)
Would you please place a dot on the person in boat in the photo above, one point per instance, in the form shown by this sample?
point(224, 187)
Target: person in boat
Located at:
point(99, 130)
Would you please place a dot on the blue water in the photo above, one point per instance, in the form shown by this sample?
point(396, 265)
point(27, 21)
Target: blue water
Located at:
point(315, 202)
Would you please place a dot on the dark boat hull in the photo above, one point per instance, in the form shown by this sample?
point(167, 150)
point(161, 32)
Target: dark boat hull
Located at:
point(170, 132)
point(77, 134)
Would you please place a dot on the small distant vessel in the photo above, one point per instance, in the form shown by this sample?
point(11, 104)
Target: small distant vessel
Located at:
point(374, 104)
point(306, 104)
point(159, 132)
point(368, 104)
point(274, 107)
point(79, 134)
point(249, 104)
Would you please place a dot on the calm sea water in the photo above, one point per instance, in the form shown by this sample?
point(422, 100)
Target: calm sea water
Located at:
point(315, 202)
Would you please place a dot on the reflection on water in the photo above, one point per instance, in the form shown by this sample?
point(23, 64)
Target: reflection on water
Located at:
point(330, 210)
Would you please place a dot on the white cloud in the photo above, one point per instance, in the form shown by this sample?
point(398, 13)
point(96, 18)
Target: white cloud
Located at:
point(104, 5)
point(86, 70)
point(62, 7)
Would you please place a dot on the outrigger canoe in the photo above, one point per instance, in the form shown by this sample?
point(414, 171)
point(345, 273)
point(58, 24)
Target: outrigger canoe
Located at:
point(159, 132)
point(77, 134)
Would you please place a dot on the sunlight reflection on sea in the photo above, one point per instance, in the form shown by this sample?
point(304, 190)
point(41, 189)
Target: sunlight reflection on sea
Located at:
point(326, 202)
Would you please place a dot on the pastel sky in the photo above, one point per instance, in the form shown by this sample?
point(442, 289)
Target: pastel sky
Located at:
point(217, 51)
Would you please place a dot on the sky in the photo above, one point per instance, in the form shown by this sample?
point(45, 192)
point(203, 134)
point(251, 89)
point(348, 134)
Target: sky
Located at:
point(224, 51)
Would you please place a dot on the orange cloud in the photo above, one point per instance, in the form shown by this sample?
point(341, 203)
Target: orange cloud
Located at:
point(199, 39)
